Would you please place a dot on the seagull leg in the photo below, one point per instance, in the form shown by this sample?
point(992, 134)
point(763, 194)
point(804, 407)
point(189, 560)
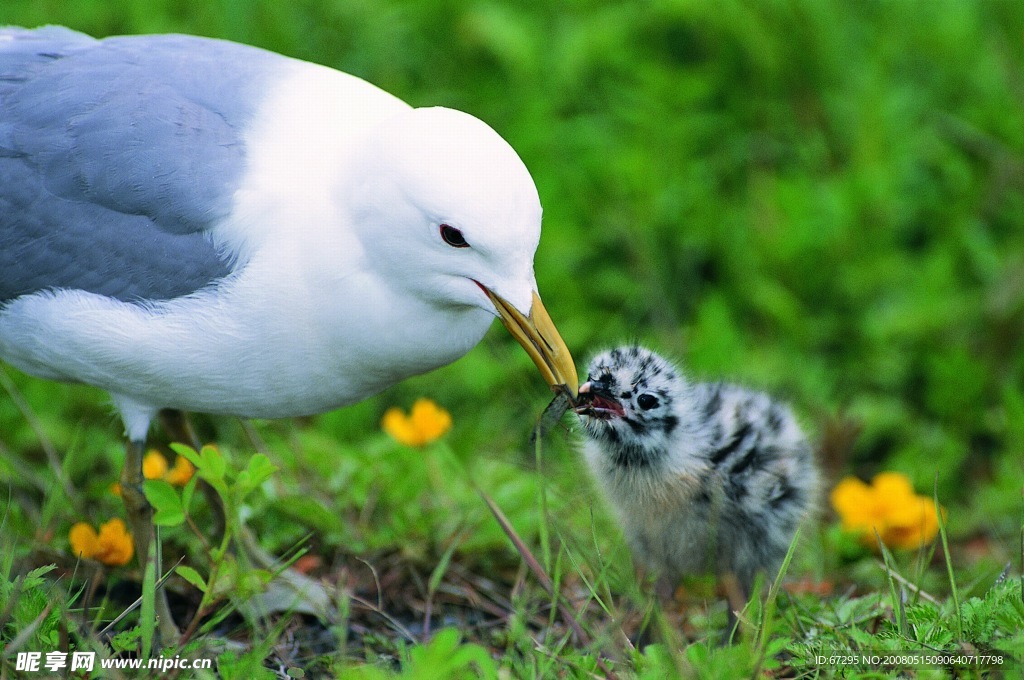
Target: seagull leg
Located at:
point(140, 519)
point(179, 428)
point(296, 589)
point(140, 514)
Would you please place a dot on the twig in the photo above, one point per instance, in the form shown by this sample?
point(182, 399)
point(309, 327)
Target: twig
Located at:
point(545, 581)
point(906, 582)
point(134, 605)
point(254, 437)
point(22, 471)
point(387, 617)
point(193, 625)
point(13, 599)
point(376, 582)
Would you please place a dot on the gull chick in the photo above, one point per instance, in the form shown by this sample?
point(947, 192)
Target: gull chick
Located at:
point(705, 477)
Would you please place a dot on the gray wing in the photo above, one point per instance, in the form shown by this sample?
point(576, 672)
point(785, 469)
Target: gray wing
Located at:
point(116, 156)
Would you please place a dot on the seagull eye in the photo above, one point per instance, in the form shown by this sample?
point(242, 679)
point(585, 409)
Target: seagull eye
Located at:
point(453, 236)
point(647, 401)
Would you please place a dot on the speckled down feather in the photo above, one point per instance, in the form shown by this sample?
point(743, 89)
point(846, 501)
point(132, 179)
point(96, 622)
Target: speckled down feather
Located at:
point(705, 478)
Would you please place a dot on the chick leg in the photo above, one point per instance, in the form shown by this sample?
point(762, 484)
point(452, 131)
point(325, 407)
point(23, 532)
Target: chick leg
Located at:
point(140, 519)
point(736, 596)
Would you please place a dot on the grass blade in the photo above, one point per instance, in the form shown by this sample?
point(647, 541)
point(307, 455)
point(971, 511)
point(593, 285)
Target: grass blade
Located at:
point(531, 561)
point(949, 562)
point(147, 616)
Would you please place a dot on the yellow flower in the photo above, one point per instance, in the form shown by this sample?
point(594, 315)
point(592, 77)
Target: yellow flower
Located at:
point(84, 540)
point(889, 506)
point(426, 423)
point(155, 466)
point(181, 473)
point(113, 544)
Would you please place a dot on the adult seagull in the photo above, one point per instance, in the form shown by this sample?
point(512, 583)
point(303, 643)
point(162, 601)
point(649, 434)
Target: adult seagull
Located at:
point(199, 225)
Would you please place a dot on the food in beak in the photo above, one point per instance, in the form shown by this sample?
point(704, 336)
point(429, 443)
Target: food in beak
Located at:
point(552, 415)
point(596, 401)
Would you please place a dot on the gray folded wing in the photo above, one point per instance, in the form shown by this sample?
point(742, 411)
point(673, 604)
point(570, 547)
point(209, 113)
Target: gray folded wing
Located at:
point(116, 157)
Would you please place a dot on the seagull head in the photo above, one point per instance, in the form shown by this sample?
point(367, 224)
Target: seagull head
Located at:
point(448, 213)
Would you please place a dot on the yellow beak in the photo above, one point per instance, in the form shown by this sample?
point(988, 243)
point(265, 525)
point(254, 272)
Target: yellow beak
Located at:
point(539, 337)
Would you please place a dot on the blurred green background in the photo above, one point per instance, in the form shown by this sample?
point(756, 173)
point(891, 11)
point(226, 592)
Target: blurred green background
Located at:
point(823, 199)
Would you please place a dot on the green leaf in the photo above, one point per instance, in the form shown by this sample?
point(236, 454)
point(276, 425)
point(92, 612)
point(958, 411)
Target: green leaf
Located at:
point(187, 491)
point(35, 577)
point(212, 463)
point(168, 510)
point(226, 578)
point(126, 641)
point(187, 451)
point(259, 470)
point(192, 576)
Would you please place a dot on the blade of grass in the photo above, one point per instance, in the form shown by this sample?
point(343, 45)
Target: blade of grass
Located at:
point(135, 605)
point(435, 580)
point(605, 565)
point(591, 585)
point(954, 592)
point(897, 603)
point(531, 561)
point(147, 616)
point(542, 501)
point(37, 427)
point(761, 641)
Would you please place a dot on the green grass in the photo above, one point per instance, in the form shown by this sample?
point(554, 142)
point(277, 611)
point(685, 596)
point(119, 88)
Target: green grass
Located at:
point(820, 199)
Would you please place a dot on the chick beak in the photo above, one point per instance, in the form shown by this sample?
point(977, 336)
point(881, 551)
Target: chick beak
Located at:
point(539, 337)
point(596, 400)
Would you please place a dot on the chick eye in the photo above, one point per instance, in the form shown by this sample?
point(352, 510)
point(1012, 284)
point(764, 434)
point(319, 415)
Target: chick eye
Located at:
point(647, 401)
point(453, 236)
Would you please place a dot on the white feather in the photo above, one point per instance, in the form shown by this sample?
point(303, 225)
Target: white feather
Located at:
point(342, 284)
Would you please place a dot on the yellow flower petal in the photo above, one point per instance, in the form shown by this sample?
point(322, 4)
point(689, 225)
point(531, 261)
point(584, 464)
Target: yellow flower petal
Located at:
point(854, 502)
point(116, 546)
point(430, 420)
point(181, 473)
point(427, 423)
point(922, 526)
point(154, 465)
point(849, 495)
point(894, 485)
point(84, 540)
point(889, 506)
point(400, 427)
point(909, 512)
